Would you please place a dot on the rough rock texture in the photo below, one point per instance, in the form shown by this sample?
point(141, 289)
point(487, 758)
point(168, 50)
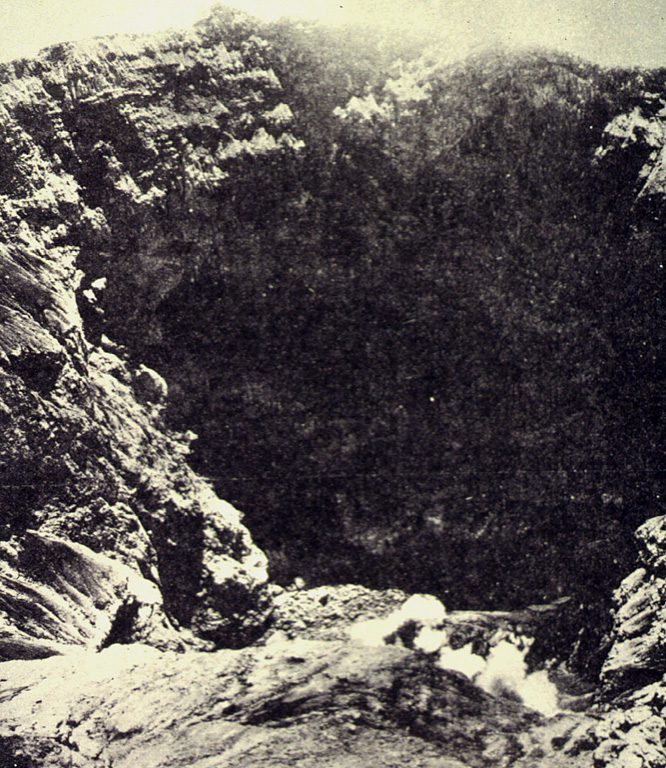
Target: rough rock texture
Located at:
point(327, 613)
point(633, 730)
point(170, 171)
point(55, 594)
point(130, 135)
point(300, 701)
point(641, 131)
point(84, 461)
point(84, 455)
point(638, 651)
point(124, 165)
point(296, 703)
point(651, 539)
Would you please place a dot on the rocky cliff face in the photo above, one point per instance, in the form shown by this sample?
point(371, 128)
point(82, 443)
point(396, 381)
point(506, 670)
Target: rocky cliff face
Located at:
point(363, 333)
point(633, 145)
point(84, 454)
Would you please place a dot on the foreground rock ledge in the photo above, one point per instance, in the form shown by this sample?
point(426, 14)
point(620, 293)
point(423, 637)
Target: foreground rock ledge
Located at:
point(297, 703)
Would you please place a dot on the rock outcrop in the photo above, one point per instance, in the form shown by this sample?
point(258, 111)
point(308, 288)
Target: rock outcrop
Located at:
point(299, 700)
point(134, 135)
point(56, 595)
point(642, 133)
point(638, 651)
point(634, 148)
point(84, 454)
point(84, 461)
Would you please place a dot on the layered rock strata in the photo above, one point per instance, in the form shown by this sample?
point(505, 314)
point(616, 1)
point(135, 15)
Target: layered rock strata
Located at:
point(55, 595)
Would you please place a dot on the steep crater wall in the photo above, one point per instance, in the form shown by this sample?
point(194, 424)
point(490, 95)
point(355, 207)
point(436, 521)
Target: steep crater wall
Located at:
point(84, 453)
point(389, 300)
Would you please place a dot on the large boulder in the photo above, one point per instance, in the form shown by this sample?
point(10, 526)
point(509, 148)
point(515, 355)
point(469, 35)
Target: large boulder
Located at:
point(651, 539)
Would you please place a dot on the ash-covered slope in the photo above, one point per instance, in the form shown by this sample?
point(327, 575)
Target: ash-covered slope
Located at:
point(84, 454)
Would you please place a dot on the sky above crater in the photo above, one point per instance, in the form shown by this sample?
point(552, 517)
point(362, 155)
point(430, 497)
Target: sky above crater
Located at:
point(611, 32)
